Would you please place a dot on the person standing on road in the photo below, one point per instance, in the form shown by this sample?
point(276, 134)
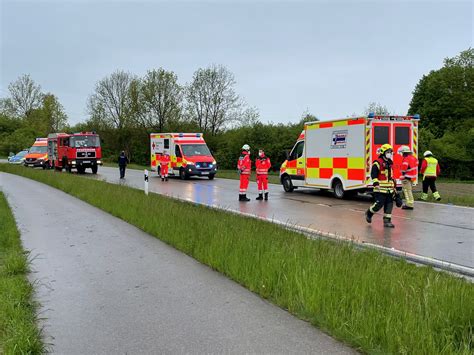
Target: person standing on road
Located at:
point(262, 164)
point(409, 172)
point(122, 163)
point(244, 166)
point(164, 162)
point(384, 186)
point(430, 170)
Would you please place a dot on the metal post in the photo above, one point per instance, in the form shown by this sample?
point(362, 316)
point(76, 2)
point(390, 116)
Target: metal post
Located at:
point(146, 182)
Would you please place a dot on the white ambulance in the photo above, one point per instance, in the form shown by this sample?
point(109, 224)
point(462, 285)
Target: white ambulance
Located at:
point(189, 154)
point(337, 155)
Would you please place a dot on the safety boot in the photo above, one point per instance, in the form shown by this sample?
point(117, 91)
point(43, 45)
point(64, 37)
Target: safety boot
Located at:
point(166, 178)
point(266, 196)
point(387, 223)
point(243, 198)
point(162, 179)
point(260, 197)
point(368, 216)
point(406, 207)
point(437, 196)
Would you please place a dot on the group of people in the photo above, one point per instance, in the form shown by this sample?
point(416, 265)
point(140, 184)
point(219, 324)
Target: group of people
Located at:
point(385, 187)
point(244, 166)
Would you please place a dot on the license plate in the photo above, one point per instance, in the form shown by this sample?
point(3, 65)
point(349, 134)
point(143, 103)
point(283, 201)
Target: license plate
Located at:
point(204, 173)
point(86, 162)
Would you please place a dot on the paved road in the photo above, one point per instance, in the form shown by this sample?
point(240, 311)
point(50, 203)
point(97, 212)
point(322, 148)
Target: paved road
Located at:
point(443, 232)
point(107, 287)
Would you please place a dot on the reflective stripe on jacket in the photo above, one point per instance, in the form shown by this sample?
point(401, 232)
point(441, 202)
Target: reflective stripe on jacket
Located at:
point(244, 164)
point(381, 175)
point(262, 165)
point(431, 167)
point(409, 167)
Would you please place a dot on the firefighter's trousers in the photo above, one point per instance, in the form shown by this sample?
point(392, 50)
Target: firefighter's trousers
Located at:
point(122, 171)
point(430, 182)
point(262, 183)
point(244, 183)
point(407, 187)
point(164, 171)
point(384, 200)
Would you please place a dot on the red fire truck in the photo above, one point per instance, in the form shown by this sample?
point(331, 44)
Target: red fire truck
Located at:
point(74, 151)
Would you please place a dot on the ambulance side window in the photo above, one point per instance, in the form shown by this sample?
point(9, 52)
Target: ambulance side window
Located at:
point(402, 135)
point(177, 151)
point(167, 144)
point(381, 135)
point(297, 151)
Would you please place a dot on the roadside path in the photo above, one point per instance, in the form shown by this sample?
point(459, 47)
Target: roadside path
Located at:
point(107, 287)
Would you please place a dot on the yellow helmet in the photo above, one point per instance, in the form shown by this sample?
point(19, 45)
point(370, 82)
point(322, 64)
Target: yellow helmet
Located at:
point(385, 147)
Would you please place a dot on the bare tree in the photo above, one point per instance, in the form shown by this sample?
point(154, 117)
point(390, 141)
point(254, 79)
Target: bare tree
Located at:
point(111, 103)
point(25, 96)
point(160, 99)
point(212, 100)
point(378, 109)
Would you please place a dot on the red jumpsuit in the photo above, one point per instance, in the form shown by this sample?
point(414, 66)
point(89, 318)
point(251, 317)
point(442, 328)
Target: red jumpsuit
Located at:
point(262, 164)
point(164, 162)
point(244, 165)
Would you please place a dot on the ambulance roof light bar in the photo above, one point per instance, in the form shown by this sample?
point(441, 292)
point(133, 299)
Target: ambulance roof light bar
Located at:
point(392, 117)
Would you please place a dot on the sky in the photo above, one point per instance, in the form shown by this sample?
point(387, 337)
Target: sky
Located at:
point(329, 58)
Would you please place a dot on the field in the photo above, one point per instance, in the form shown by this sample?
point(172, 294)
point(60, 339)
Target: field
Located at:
point(373, 302)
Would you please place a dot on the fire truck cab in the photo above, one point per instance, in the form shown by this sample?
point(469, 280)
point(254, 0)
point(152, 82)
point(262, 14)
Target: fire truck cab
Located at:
point(78, 151)
point(337, 155)
point(189, 154)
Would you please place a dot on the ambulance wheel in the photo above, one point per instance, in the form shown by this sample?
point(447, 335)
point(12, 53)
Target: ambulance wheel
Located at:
point(287, 184)
point(94, 169)
point(183, 175)
point(211, 176)
point(338, 189)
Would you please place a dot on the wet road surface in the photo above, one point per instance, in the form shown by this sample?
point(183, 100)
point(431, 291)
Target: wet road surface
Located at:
point(442, 232)
point(107, 287)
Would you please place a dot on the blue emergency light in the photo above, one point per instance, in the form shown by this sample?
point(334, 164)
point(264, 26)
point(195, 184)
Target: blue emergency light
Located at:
point(371, 115)
point(416, 116)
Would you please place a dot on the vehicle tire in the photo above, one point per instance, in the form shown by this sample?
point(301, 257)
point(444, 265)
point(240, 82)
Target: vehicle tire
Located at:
point(211, 176)
point(183, 175)
point(287, 184)
point(94, 169)
point(338, 189)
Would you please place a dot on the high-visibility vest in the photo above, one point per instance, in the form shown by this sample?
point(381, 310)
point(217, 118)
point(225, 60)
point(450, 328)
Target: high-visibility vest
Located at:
point(431, 165)
point(385, 175)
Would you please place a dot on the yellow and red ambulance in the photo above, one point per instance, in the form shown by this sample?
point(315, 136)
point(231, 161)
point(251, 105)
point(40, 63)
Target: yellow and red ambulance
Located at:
point(337, 155)
point(38, 154)
point(189, 154)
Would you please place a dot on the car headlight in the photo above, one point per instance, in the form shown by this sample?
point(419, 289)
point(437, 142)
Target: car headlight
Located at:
point(73, 162)
point(214, 162)
point(189, 163)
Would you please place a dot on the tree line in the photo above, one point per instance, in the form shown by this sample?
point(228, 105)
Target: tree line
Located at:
point(124, 109)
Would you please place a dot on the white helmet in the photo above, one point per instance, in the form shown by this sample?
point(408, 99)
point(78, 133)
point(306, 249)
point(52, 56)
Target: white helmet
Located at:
point(427, 153)
point(246, 147)
point(404, 149)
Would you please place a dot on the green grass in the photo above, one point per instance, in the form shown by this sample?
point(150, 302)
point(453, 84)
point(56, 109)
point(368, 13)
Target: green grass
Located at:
point(376, 303)
point(19, 333)
point(452, 192)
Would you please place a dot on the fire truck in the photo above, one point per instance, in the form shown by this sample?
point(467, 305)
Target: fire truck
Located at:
point(78, 151)
point(337, 155)
point(189, 154)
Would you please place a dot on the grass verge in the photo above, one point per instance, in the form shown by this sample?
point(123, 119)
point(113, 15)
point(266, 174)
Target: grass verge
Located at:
point(375, 303)
point(19, 333)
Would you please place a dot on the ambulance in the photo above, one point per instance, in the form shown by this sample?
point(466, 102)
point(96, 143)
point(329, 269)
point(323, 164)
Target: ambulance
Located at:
point(337, 155)
point(38, 154)
point(189, 154)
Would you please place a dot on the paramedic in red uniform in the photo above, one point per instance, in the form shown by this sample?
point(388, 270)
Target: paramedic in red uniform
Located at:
point(164, 162)
point(244, 166)
point(262, 164)
point(409, 172)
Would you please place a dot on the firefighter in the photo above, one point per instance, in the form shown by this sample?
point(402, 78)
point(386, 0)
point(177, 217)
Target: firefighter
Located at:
point(122, 163)
point(244, 166)
point(262, 164)
point(430, 170)
point(164, 162)
point(409, 172)
point(384, 186)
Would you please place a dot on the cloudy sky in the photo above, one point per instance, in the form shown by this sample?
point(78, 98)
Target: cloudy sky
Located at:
point(329, 57)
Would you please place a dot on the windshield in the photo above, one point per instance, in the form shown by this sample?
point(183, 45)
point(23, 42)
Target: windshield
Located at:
point(22, 153)
point(84, 141)
point(38, 149)
point(195, 149)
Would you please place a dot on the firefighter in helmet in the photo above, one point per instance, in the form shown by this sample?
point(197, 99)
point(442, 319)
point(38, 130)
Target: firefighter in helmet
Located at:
point(409, 172)
point(244, 165)
point(430, 170)
point(384, 186)
point(164, 162)
point(262, 164)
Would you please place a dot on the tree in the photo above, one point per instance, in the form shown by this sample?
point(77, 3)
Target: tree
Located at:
point(376, 108)
point(159, 99)
point(110, 105)
point(25, 96)
point(212, 100)
point(308, 117)
point(53, 114)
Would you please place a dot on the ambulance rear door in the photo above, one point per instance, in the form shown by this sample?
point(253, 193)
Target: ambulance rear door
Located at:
point(402, 134)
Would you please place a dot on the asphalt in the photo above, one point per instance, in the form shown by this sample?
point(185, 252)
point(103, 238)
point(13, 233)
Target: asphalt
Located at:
point(435, 231)
point(107, 287)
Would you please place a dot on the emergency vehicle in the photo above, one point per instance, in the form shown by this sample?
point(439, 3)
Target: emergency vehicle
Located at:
point(337, 155)
point(37, 155)
point(75, 151)
point(189, 154)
